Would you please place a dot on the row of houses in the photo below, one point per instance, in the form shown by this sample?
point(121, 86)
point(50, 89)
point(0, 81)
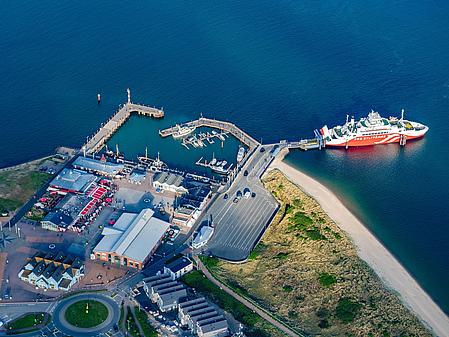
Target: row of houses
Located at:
point(52, 271)
point(195, 313)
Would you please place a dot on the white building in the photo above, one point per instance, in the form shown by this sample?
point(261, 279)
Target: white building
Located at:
point(169, 182)
point(178, 267)
point(50, 271)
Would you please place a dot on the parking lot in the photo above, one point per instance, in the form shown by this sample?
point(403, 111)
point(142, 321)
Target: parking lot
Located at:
point(239, 225)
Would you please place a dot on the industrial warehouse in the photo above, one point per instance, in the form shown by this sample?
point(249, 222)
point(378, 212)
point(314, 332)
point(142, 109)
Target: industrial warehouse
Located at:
point(132, 239)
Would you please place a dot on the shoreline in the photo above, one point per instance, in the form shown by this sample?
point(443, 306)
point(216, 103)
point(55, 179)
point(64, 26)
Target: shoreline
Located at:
point(369, 249)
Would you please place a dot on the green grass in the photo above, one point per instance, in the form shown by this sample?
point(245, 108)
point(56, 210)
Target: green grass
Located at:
point(315, 234)
point(347, 310)
point(27, 322)
point(77, 316)
point(256, 325)
point(287, 288)
point(327, 280)
point(131, 325)
point(142, 318)
point(122, 316)
point(281, 256)
point(259, 249)
point(9, 205)
point(210, 262)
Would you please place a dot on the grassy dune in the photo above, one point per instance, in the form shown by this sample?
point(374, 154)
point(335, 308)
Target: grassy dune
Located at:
point(306, 271)
point(18, 185)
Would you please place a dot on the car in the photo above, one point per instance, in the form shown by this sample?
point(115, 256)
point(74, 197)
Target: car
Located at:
point(246, 193)
point(262, 150)
point(226, 196)
point(253, 195)
point(245, 173)
point(236, 200)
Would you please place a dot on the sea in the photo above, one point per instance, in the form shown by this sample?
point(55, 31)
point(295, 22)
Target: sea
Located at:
point(277, 68)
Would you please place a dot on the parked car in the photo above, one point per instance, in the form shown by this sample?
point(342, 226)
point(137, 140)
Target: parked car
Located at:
point(226, 196)
point(245, 173)
point(262, 150)
point(246, 193)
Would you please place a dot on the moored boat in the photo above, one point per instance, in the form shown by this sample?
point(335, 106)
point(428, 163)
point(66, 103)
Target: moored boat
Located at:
point(372, 130)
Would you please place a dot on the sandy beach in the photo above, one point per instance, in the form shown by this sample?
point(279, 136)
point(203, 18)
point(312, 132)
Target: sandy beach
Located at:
point(387, 267)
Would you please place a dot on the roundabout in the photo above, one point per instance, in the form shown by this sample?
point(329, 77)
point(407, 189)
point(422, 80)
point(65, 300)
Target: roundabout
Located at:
point(86, 314)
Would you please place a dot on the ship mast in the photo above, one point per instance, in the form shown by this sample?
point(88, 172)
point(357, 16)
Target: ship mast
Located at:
point(402, 114)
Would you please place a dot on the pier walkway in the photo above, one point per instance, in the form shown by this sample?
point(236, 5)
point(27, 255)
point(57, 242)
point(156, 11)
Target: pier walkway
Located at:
point(216, 124)
point(102, 135)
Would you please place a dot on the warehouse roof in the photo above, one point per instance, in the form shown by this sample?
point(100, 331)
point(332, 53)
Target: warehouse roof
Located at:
point(98, 165)
point(133, 235)
point(73, 180)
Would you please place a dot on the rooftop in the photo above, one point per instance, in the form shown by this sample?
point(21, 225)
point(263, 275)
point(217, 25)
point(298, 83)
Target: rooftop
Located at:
point(168, 178)
point(179, 264)
point(73, 180)
point(97, 165)
point(133, 235)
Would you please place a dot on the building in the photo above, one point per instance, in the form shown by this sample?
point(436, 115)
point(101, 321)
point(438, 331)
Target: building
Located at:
point(202, 318)
point(202, 237)
point(132, 239)
point(52, 271)
point(100, 167)
point(178, 267)
point(164, 291)
point(72, 181)
point(189, 206)
point(57, 221)
point(185, 216)
point(169, 182)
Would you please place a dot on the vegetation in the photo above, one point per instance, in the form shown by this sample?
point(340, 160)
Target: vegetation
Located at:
point(254, 324)
point(131, 325)
point(86, 313)
point(346, 310)
point(327, 280)
point(142, 318)
point(28, 322)
point(259, 249)
point(293, 272)
point(18, 185)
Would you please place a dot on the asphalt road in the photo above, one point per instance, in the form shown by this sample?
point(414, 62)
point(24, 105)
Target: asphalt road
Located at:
point(239, 226)
point(68, 329)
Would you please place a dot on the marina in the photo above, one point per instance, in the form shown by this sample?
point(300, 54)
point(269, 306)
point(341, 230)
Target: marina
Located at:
point(225, 127)
point(204, 138)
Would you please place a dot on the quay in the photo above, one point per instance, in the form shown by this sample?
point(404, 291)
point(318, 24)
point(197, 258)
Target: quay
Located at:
point(105, 132)
point(216, 124)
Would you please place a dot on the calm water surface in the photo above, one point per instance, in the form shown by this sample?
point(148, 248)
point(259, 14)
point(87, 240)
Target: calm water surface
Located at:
point(276, 68)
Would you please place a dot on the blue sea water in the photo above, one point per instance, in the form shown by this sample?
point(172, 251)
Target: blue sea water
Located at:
point(276, 68)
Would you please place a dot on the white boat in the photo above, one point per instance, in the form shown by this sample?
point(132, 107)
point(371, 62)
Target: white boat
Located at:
point(240, 154)
point(183, 131)
point(223, 163)
point(213, 161)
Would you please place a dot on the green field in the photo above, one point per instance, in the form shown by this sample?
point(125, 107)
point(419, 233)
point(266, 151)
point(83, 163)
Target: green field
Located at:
point(254, 324)
point(77, 315)
point(27, 322)
point(148, 329)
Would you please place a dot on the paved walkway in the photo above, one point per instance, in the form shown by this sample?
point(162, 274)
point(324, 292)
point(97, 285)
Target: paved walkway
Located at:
point(244, 301)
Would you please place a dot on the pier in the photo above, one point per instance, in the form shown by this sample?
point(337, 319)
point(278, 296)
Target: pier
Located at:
point(105, 132)
point(226, 127)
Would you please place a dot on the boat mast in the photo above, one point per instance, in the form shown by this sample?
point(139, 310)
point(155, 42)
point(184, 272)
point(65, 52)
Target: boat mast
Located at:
point(402, 114)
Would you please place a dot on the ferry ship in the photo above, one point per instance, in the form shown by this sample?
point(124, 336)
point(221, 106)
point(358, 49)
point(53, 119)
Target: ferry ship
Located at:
point(372, 130)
